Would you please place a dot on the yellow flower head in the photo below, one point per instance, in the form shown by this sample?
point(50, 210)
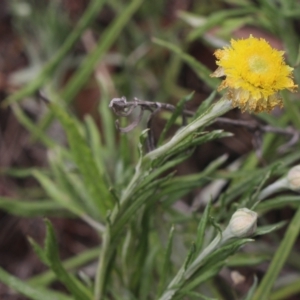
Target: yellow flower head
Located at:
point(255, 73)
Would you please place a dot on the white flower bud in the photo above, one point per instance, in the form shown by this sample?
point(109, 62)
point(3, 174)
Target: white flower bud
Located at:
point(293, 178)
point(242, 223)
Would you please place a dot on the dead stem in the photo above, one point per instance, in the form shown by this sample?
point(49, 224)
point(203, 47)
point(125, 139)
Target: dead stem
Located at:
point(124, 108)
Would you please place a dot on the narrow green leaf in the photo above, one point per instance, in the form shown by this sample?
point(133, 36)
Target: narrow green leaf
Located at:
point(177, 187)
point(31, 127)
point(172, 197)
point(20, 172)
point(87, 18)
point(57, 195)
point(62, 182)
point(196, 140)
point(202, 71)
point(202, 226)
point(219, 108)
point(125, 253)
point(106, 41)
point(239, 2)
point(252, 290)
point(78, 290)
point(203, 277)
point(189, 257)
point(177, 112)
point(81, 259)
point(287, 291)
point(269, 228)
point(71, 184)
point(142, 140)
point(247, 259)
point(148, 280)
point(213, 263)
point(216, 19)
point(26, 208)
point(177, 281)
point(282, 253)
point(95, 142)
point(141, 250)
point(104, 264)
point(82, 194)
point(39, 251)
point(82, 154)
point(194, 295)
point(160, 168)
point(205, 105)
point(29, 291)
point(87, 67)
point(277, 203)
point(130, 211)
point(166, 263)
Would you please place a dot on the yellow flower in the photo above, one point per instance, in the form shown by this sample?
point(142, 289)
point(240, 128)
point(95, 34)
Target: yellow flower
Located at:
point(255, 73)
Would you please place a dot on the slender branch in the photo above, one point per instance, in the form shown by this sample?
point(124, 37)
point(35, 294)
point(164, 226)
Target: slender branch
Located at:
point(119, 104)
point(124, 108)
point(254, 125)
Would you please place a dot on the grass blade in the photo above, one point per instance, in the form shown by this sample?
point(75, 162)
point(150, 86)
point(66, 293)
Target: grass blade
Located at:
point(89, 15)
point(29, 291)
point(202, 71)
point(25, 208)
point(282, 253)
point(167, 263)
point(82, 75)
point(78, 290)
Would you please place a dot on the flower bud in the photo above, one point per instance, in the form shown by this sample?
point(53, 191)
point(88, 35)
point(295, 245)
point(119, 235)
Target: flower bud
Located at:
point(242, 223)
point(293, 178)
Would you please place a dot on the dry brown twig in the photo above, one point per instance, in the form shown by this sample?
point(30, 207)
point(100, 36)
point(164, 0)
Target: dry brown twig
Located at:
point(124, 108)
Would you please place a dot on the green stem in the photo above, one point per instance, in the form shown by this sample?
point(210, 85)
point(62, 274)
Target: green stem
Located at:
point(209, 249)
point(126, 195)
point(273, 188)
point(174, 284)
point(107, 245)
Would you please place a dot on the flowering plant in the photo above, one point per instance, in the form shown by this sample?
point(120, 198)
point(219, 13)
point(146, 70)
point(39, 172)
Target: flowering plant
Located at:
point(172, 202)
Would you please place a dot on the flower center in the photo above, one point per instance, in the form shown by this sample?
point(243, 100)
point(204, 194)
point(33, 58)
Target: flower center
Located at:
point(258, 64)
